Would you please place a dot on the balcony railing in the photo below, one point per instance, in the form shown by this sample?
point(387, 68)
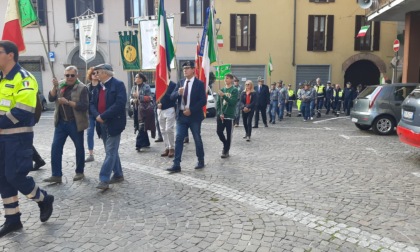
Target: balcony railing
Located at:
point(376, 5)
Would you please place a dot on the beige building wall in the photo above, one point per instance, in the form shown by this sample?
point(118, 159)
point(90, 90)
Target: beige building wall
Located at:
point(275, 36)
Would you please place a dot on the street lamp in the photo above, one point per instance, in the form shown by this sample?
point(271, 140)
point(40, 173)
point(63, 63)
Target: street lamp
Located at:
point(218, 23)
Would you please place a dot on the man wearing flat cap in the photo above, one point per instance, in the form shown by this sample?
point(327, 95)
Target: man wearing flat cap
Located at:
point(108, 107)
point(190, 95)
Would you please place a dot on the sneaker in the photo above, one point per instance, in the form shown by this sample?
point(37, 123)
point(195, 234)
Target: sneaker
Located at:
point(8, 227)
point(158, 140)
point(186, 140)
point(38, 165)
point(78, 176)
point(312, 118)
point(90, 159)
point(304, 120)
point(46, 208)
point(53, 179)
point(116, 180)
point(248, 139)
point(103, 185)
point(244, 137)
point(236, 125)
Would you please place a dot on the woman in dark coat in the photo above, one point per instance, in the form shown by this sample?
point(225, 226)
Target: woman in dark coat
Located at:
point(249, 102)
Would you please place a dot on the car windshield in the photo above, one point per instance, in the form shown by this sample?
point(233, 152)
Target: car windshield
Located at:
point(415, 94)
point(369, 92)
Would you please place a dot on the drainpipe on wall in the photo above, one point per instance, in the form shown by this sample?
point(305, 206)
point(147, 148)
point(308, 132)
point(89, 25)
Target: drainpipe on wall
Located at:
point(294, 34)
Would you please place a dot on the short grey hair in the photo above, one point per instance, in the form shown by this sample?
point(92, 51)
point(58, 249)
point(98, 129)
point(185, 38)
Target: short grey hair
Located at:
point(69, 68)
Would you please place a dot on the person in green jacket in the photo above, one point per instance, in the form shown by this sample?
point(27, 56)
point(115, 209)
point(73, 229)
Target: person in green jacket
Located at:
point(225, 107)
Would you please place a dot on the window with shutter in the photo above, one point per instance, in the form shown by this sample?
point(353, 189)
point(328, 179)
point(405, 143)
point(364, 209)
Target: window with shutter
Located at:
point(370, 42)
point(194, 12)
point(75, 8)
point(39, 7)
point(137, 8)
point(320, 33)
point(243, 29)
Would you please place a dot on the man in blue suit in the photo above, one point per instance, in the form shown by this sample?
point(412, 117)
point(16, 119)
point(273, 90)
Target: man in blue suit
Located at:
point(190, 95)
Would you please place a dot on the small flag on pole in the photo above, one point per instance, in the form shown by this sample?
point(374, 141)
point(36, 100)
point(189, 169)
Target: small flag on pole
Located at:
point(220, 41)
point(270, 66)
point(363, 31)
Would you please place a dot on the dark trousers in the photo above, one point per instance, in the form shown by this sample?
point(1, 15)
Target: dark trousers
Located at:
point(36, 157)
point(221, 126)
point(247, 119)
point(142, 139)
point(237, 113)
point(328, 105)
point(15, 163)
point(183, 123)
point(263, 110)
point(348, 103)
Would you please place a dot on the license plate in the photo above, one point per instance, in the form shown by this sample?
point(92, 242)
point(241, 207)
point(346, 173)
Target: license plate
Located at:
point(355, 120)
point(408, 115)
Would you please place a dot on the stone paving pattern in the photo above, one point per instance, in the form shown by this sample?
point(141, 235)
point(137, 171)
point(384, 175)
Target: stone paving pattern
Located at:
point(297, 186)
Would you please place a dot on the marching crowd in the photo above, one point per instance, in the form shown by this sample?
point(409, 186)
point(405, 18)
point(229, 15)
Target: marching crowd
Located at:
point(100, 106)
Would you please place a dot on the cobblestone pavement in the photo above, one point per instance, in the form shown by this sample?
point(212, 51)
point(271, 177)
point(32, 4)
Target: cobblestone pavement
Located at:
point(321, 185)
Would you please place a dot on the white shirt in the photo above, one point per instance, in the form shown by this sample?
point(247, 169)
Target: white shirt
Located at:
point(190, 84)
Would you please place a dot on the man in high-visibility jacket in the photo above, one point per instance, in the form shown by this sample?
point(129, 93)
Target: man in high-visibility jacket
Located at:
point(320, 94)
point(18, 91)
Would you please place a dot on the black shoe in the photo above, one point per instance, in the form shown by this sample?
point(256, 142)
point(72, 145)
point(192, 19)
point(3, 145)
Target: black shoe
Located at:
point(186, 140)
point(255, 126)
point(10, 227)
point(274, 122)
point(38, 165)
point(265, 125)
point(174, 169)
point(225, 154)
point(299, 115)
point(46, 208)
point(200, 165)
point(158, 140)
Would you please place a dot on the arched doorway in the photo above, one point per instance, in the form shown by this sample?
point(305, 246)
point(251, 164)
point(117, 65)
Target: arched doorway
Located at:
point(81, 65)
point(363, 72)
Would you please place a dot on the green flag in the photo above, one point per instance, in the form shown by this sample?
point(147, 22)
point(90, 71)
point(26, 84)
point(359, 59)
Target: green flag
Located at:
point(27, 13)
point(222, 70)
point(129, 45)
point(270, 66)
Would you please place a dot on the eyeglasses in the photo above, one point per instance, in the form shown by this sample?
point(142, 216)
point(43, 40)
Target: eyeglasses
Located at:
point(70, 75)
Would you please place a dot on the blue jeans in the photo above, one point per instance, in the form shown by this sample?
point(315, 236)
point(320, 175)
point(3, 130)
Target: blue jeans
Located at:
point(312, 108)
point(281, 109)
point(306, 110)
point(273, 110)
point(91, 132)
point(182, 125)
point(289, 106)
point(61, 132)
point(320, 103)
point(112, 162)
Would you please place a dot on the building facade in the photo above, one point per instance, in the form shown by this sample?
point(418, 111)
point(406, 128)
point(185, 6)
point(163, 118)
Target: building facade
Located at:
point(306, 39)
point(408, 13)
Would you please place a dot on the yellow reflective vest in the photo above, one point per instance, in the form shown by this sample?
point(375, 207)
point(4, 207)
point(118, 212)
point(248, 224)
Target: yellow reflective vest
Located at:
point(18, 94)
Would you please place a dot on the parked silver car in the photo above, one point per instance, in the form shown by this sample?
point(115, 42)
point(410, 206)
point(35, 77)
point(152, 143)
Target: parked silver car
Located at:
point(379, 107)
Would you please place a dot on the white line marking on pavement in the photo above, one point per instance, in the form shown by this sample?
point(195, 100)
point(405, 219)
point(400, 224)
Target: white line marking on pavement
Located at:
point(417, 174)
point(329, 119)
point(345, 137)
point(338, 230)
point(373, 150)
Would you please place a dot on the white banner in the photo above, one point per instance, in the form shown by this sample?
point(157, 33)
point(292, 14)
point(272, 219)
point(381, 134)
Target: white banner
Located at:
point(148, 34)
point(88, 27)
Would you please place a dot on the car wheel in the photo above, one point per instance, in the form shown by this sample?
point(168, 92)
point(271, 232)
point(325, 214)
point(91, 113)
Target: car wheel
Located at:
point(44, 105)
point(383, 125)
point(211, 112)
point(362, 126)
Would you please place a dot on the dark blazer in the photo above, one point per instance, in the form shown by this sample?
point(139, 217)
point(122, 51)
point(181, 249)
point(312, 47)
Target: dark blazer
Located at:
point(198, 99)
point(263, 96)
point(253, 103)
point(116, 99)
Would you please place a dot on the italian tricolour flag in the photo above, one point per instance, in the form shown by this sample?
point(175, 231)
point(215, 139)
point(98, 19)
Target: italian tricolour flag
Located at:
point(363, 31)
point(12, 29)
point(166, 53)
